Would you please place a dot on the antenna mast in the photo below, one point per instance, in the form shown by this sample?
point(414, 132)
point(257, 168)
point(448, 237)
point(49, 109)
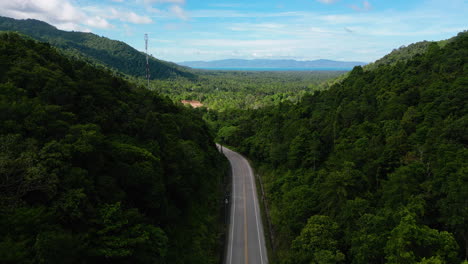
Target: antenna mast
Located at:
point(147, 60)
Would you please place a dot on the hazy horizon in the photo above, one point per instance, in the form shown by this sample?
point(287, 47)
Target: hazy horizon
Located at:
point(271, 60)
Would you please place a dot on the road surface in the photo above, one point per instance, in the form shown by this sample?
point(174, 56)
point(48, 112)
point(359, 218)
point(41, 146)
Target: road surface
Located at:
point(246, 242)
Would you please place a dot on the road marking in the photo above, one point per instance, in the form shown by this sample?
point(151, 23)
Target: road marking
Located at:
point(246, 239)
point(255, 208)
point(242, 172)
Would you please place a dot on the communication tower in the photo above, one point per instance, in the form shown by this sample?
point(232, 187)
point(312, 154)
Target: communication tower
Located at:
point(147, 60)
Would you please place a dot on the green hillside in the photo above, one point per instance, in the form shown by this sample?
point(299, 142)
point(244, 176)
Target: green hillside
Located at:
point(405, 53)
point(100, 50)
point(402, 54)
point(96, 170)
point(373, 170)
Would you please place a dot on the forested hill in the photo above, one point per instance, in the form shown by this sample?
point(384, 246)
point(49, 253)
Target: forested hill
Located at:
point(110, 53)
point(373, 170)
point(96, 170)
point(405, 53)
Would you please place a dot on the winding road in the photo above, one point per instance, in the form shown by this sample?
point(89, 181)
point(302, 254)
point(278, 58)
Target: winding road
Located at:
point(246, 242)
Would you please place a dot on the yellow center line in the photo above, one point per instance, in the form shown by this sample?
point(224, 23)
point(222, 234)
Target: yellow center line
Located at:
point(246, 248)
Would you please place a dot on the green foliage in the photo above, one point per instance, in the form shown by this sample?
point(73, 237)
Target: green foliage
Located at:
point(222, 90)
point(96, 170)
point(408, 241)
point(380, 155)
point(59, 246)
point(406, 53)
point(317, 242)
point(403, 53)
point(122, 234)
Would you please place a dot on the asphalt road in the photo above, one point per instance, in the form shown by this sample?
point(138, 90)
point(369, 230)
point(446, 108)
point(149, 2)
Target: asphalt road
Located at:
point(246, 241)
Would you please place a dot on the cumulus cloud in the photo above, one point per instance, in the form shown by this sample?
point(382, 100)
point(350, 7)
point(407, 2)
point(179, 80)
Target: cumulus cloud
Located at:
point(97, 22)
point(60, 13)
point(66, 16)
point(124, 16)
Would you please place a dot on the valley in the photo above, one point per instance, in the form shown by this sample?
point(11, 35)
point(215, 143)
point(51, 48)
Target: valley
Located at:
point(360, 166)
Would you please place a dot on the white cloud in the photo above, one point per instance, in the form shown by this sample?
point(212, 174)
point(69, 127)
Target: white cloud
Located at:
point(72, 27)
point(136, 19)
point(175, 10)
point(256, 27)
point(178, 12)
point(254, 44)
point(180, 2)
point(124, 16)
point(366, 6)
point(154, 10)
point(117, 14)
point(327, 1)
point(60, 13)
point(66, 16)
point(223, 13)
point(97, 22)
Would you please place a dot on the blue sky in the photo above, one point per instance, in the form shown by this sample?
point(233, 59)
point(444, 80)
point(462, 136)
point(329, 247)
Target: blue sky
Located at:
point(183, 30)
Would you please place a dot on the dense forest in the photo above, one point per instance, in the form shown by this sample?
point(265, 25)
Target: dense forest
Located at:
point(221, 90)
point(405, 53)
point(372, 170)
point(94, 169)
point(366, 167)
point(97, 50)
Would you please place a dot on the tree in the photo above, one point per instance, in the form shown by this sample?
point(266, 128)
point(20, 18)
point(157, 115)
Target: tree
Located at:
point(410, 242)
point(317, 242)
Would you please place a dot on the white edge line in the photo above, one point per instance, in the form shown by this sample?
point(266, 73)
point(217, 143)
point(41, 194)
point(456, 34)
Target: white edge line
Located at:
point(255, 207)
point(232, 217)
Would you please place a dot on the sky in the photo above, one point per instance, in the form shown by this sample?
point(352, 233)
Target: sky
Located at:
point(188, 30)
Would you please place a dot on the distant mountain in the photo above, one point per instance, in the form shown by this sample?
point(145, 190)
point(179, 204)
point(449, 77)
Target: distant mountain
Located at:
point(265, 63)
point(99, 50)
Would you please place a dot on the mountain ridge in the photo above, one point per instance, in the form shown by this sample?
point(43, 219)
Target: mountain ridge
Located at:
point(114, 54)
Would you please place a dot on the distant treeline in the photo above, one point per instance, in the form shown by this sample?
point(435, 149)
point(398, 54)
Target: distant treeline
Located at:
point(220, 90)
